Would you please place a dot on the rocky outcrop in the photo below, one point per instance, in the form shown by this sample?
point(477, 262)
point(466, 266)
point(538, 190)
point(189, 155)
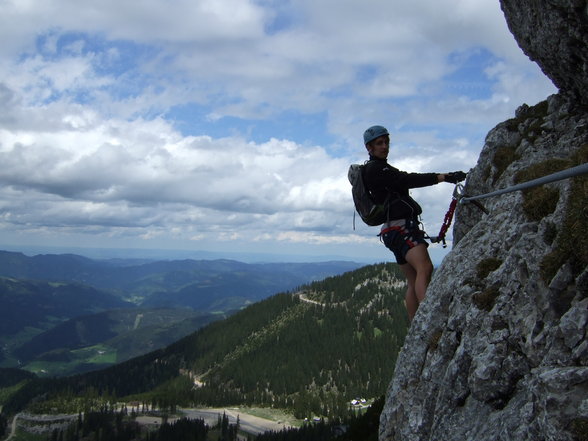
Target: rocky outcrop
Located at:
point(499, 351)
point(554, 33)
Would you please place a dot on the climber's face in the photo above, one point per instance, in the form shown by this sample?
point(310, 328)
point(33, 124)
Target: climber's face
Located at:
point(379, 147)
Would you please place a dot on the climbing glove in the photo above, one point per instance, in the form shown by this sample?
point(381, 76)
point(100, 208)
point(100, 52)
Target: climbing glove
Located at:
point(455, 177)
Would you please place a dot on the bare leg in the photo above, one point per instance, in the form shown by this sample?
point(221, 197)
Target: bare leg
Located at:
point(420, 263)
point(411, 300)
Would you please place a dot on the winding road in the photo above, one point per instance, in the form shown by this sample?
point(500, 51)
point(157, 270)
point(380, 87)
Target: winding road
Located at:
point(13, 427)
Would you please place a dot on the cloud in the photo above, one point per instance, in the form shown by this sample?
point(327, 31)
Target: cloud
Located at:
point(124, 170)
point(234, 121)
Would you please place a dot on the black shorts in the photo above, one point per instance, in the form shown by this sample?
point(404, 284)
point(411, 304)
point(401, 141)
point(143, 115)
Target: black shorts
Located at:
point(400, 239)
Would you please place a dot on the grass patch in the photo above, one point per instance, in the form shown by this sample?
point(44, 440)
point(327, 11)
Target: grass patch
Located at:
point(434, 339)
point(69, 362)
point(538, 112)
point(485, 300)
point(579, 429)
point(572, 240)
point(47, 368)
point(503, 157)
point(538, 202)
point(272, 415)
point(542, 169)
point(550, 233)
point(486, 172)
point(529, 121)
point(98, 354)
point(486, 266)
point(536, 116)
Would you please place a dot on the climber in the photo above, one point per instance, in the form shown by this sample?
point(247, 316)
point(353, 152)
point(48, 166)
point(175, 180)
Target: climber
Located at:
point(401, 233)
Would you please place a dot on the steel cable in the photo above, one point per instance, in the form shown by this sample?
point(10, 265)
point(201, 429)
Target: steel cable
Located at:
point(558, 176)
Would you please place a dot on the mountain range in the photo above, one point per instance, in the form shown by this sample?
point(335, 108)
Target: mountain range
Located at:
point(63, 314)
point(174, 282)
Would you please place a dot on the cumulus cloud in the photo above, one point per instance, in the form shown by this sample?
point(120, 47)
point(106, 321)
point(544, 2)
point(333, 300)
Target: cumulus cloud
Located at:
point(132, 173)
point(235, 121)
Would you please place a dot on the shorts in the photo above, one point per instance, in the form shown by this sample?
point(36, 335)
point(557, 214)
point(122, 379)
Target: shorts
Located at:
point(401, 238)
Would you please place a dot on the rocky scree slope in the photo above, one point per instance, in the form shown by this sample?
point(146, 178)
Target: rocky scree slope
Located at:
point(499, 350)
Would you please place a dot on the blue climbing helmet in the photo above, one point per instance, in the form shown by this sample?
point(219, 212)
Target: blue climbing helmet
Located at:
point(374, 132)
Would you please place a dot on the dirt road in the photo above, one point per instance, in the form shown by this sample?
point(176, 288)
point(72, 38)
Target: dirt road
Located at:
point(13, 427)
point(248, 423)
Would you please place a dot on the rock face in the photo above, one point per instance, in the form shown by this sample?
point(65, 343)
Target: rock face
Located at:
point(499, 350)
point(554, 33)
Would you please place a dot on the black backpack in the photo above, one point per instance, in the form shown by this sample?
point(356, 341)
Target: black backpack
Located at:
point(371, 213)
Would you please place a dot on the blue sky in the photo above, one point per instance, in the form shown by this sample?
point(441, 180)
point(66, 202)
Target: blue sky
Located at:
point(228, 125)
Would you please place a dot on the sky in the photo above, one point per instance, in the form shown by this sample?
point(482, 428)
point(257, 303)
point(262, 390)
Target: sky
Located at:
point(228, 126)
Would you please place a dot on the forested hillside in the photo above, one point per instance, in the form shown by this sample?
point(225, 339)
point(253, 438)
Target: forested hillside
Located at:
point(60, 328)
point(311, 351)
point(334, 341)
point(99, 340)
point(37, 304)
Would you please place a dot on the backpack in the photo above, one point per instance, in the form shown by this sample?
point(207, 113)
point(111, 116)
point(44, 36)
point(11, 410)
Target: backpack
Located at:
point(371, 213)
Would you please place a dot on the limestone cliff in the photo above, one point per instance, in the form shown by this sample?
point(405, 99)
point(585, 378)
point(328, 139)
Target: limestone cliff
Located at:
point(554, 33)
point(499, 350)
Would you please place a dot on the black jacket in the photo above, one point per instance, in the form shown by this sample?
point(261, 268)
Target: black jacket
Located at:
point(384, 181)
